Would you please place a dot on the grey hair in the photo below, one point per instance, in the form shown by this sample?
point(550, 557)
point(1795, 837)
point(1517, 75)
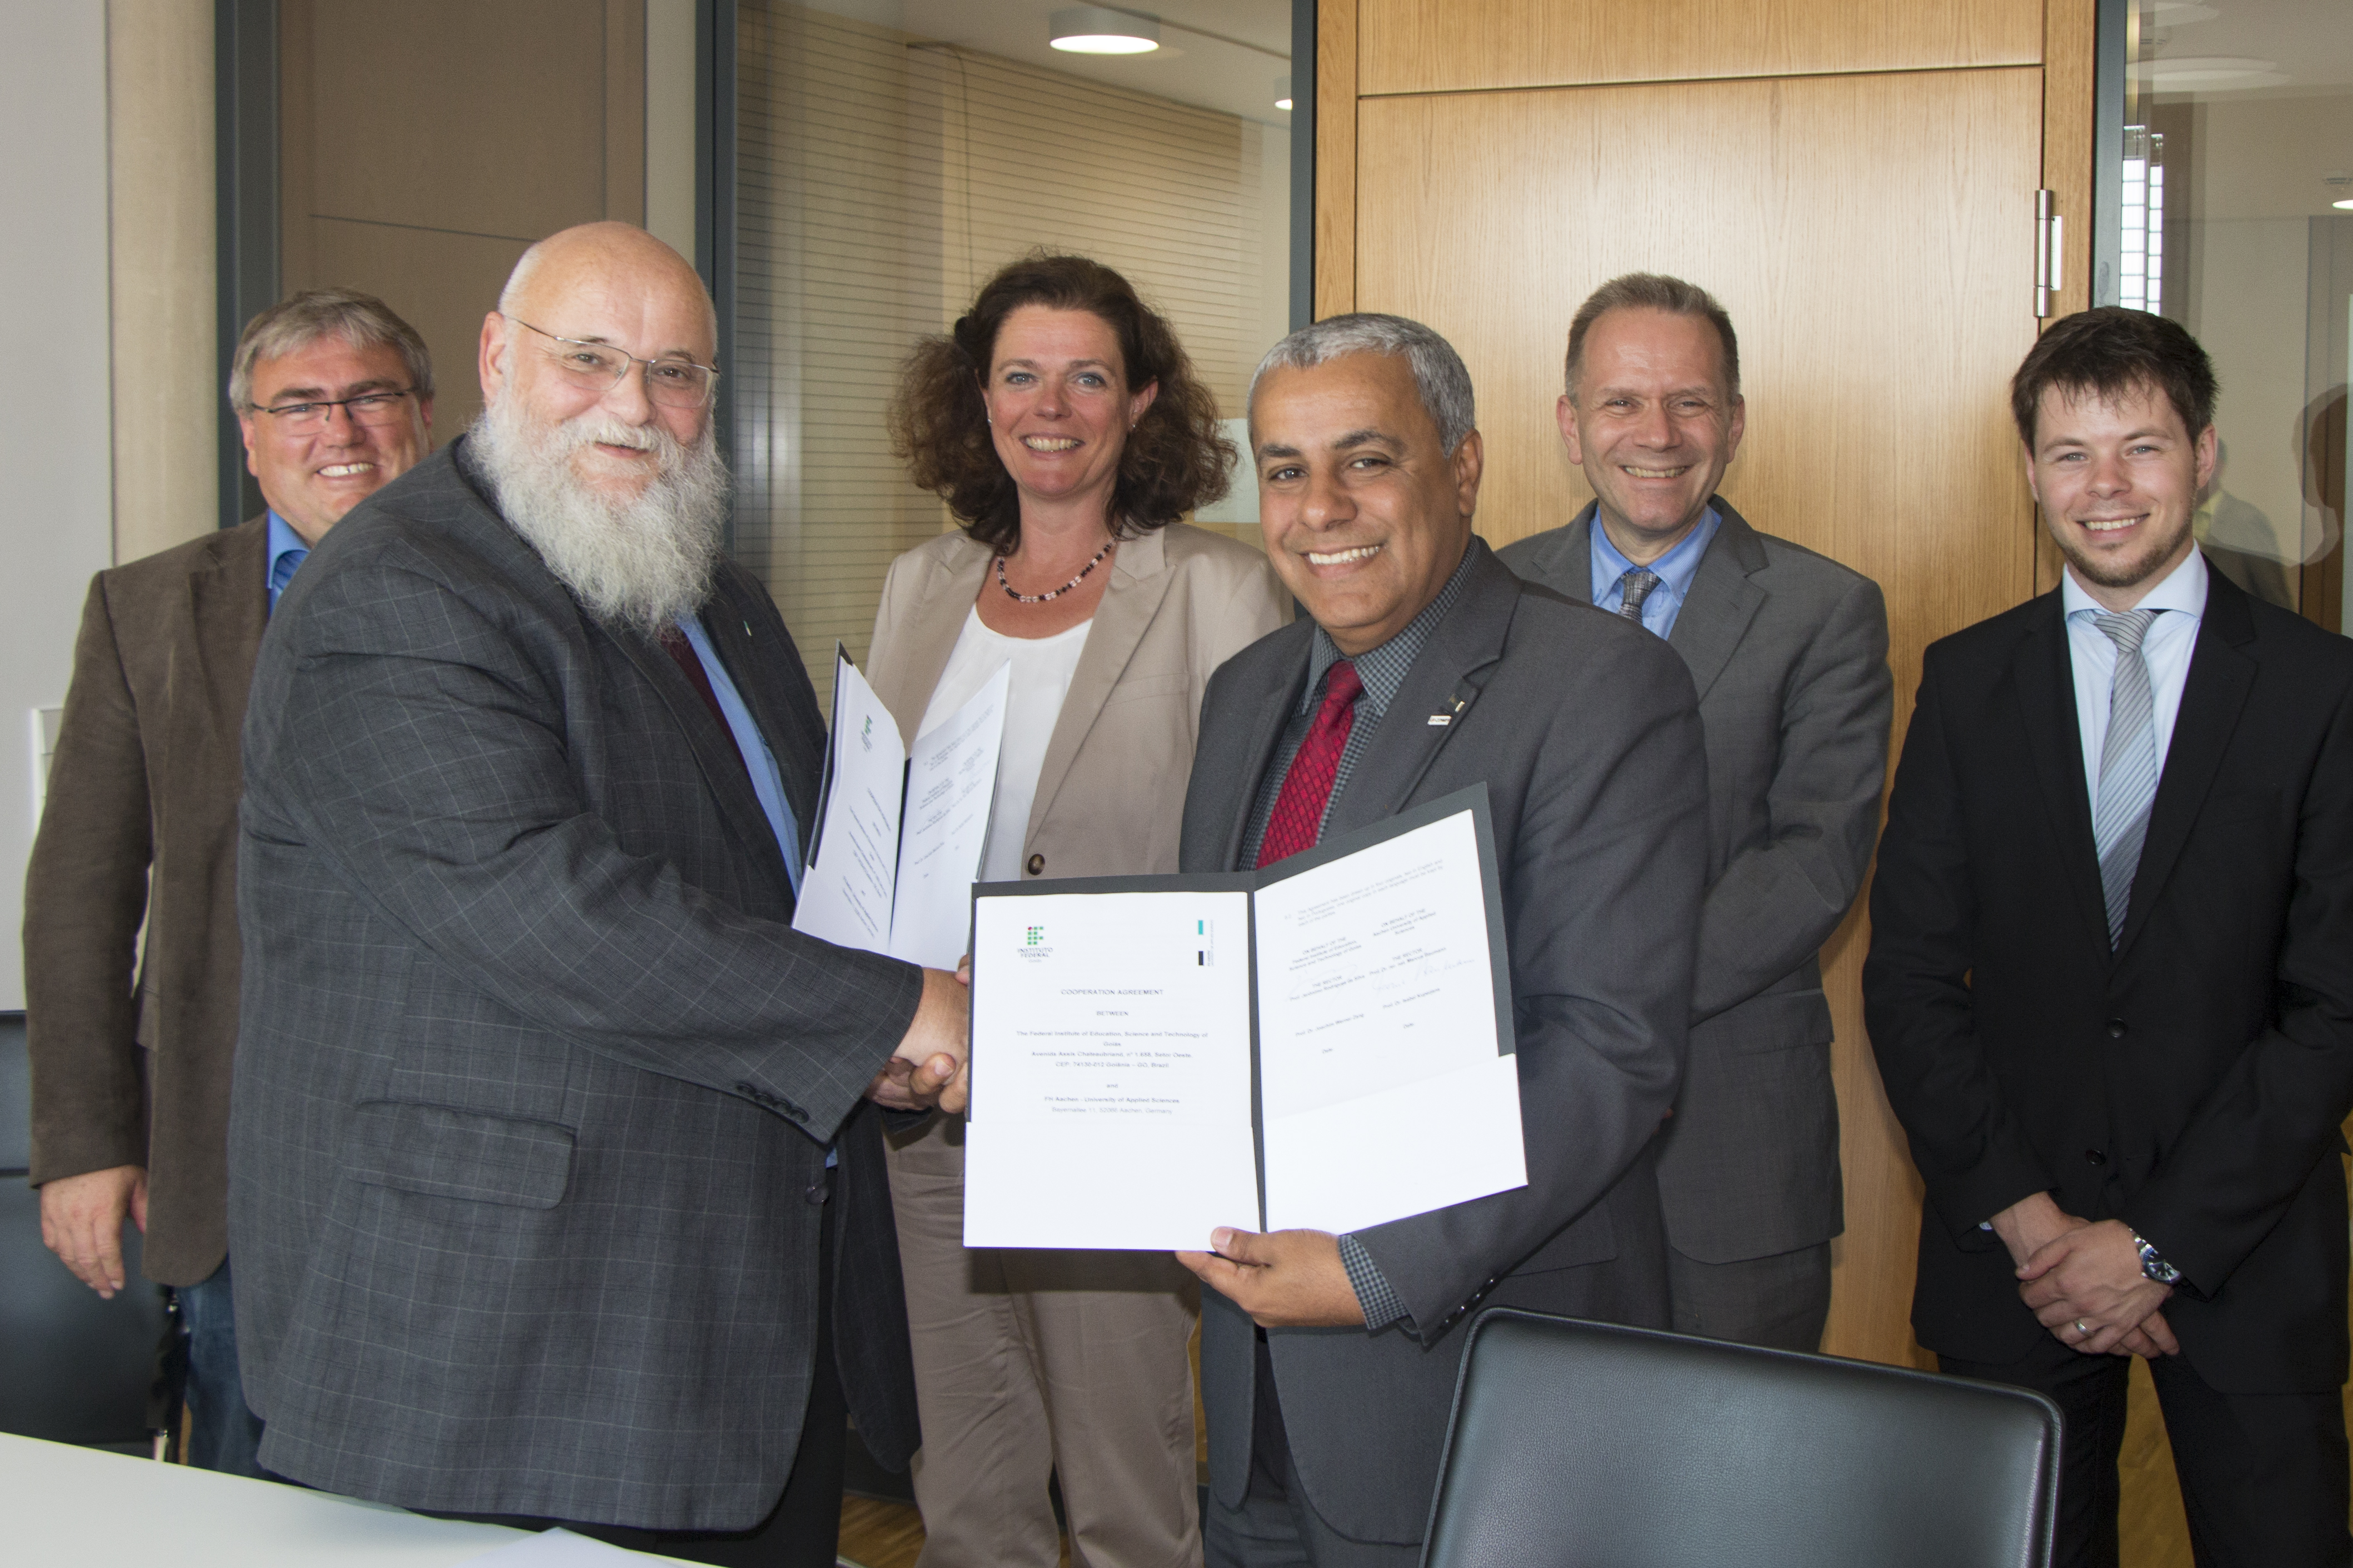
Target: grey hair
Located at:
point(301, 320)
point(1437, 370)
point(1651, 291)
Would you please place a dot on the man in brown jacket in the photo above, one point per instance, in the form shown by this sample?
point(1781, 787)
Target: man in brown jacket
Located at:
point(130, 1084)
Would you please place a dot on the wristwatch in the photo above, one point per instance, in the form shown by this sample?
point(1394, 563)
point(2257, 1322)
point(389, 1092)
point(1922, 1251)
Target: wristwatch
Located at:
point(2152, 1266)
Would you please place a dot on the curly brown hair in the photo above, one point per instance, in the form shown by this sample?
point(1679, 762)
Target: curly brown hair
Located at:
point(1174, 461)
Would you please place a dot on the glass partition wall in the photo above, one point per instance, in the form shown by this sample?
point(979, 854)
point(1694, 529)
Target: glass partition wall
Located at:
point(890, 156)
point(2234, 216)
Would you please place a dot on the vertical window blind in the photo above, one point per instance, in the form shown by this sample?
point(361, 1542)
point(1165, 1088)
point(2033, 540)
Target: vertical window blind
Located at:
point(880, 179)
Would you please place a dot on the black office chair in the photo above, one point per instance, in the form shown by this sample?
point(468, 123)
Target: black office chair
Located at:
point(1578, 1445)
point(73, 1369)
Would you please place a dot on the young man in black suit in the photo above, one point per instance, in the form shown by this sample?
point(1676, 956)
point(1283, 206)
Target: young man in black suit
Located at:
point(2109, 984)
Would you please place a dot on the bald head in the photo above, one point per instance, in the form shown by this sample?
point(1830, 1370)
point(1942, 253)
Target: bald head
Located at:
point(600, 254)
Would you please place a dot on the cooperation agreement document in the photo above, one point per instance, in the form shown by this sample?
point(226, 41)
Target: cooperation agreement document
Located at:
point(900, 835)
point(1325, 1044)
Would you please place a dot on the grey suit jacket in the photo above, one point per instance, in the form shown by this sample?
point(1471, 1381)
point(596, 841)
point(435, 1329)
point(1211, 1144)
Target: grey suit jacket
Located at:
point(534, 1082)
point(140, 829)
point(1788, 650)
point(1587, 736)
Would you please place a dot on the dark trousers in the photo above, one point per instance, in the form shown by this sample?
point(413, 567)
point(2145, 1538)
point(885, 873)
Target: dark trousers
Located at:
point(2263, 1475)
point(222, 1433)
point(804, 1528)
point(1276, 1525)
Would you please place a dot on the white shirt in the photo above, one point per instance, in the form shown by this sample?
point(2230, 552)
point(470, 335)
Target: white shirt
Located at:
point(2166, 646)
point(1042, 668)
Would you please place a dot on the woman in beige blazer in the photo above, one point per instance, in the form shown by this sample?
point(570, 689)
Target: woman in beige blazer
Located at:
point(1062, 424)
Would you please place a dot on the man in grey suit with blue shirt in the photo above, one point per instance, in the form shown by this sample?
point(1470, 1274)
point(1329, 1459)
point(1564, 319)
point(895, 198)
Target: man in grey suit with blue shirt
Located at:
point(1788, 650)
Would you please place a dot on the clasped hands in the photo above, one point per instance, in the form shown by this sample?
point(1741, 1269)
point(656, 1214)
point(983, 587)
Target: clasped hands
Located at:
point(929, 1067)
point(2082, 1280)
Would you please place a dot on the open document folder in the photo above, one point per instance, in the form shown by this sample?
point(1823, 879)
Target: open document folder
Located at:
point(900, 835)
point(1325, 1044)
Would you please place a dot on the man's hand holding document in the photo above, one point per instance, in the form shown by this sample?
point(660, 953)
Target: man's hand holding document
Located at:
point(1324, 1045)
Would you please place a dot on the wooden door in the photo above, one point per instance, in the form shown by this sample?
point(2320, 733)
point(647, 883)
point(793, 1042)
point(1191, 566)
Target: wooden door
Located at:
point(1872, 237)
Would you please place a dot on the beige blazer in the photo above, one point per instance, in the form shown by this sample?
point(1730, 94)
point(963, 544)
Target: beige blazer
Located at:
point(1111, 795)
point(140, 828)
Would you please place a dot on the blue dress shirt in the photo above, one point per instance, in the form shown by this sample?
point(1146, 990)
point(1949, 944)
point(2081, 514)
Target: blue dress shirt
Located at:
point(767, 780)
point(287, 553)
point(1676, 569)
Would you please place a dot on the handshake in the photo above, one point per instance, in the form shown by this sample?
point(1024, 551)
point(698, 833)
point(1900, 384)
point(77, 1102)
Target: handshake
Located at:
point(930, 1066)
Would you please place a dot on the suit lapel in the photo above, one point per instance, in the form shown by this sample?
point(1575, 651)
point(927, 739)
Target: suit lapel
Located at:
point(713, 747)
point(1722, 601)
point(1139, 582)
point(1444, 681)
point(2221, 672)
point(1568, 565)
point(228, 606)
point(2043, 674)
point(1266, 722)
point(929, 627)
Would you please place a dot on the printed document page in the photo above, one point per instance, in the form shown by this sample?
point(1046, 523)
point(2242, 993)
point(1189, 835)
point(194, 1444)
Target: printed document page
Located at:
point(1382, 1087)
point(846, 897)
point(951, 785)
point(1111, 1061)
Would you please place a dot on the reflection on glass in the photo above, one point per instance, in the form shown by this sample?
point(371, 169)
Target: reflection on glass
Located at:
point(892, 154)
point(2238, 115)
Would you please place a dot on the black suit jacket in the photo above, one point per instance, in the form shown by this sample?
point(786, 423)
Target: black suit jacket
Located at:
point(1586, 732)
point(534, 1082)
point(2193, 1083)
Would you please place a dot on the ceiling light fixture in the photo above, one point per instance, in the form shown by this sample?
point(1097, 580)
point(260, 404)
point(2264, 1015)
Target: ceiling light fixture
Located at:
point(2341, 187)
point(1282, 92)
point(1100, 31)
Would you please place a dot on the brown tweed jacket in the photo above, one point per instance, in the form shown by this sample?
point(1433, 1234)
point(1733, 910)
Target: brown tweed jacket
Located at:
point(140, 828)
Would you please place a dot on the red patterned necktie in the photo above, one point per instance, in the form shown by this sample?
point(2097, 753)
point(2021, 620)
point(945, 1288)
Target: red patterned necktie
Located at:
point(1298, 816)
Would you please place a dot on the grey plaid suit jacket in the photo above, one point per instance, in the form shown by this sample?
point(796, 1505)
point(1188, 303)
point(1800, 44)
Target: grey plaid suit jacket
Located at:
point(1788, 650)
point(535, 1083)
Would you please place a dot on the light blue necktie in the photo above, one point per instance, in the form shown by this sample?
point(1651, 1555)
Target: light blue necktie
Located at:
point(2127, 766)
point(281, 571)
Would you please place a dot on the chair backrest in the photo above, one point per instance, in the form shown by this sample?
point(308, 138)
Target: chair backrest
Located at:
point(1588, 1444)
point(73, 1369)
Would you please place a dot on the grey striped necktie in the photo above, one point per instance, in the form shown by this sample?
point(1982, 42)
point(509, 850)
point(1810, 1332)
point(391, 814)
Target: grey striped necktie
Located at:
point(1636, 586)
point(2127, 766)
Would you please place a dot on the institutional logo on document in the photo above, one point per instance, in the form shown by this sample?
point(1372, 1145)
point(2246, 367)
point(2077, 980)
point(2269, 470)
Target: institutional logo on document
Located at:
point(866, 733)
point(1204, 943)
point(1033, 943)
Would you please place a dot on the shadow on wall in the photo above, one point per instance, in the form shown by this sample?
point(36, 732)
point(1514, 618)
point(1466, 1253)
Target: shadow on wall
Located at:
point(73, 1369)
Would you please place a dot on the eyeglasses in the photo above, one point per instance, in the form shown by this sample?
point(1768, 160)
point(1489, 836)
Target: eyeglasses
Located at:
point(600, 367)
point(374, 409)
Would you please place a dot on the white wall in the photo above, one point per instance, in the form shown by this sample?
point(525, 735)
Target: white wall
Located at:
point(56, 526)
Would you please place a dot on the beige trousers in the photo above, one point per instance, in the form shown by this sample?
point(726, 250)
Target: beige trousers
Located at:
point(1031, 1362)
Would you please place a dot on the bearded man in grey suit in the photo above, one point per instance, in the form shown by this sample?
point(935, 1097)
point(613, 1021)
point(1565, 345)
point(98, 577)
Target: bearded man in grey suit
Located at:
point(1788, 651)
point(1421, 667)
point(552, 1189)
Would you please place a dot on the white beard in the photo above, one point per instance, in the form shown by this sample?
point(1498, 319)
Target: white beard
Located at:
point(638, 563)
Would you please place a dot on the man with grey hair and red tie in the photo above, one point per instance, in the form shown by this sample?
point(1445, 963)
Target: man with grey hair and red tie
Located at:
point(1422, 667)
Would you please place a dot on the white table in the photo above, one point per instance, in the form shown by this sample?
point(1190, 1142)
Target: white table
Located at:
point(63, 1507)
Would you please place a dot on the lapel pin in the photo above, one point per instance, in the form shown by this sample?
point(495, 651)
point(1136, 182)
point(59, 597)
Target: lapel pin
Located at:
point(1440, 720)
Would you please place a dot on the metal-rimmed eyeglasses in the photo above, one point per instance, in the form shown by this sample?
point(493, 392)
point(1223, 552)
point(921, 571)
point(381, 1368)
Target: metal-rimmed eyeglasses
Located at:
point(600, 367)
point(374, 409)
